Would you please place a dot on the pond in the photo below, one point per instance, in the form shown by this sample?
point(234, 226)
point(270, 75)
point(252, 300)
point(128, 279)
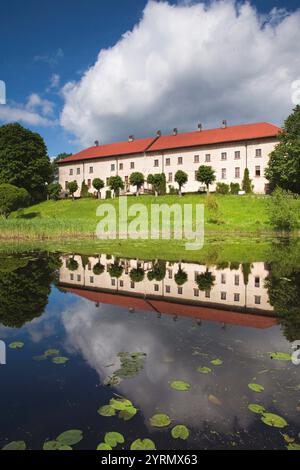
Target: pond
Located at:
point(101, 345)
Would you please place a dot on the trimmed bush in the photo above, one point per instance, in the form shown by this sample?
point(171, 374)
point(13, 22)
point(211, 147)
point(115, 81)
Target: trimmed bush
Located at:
point(234, 188)
point(222, 188)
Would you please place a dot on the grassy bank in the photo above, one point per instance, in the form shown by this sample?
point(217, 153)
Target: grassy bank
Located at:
point(69, 219)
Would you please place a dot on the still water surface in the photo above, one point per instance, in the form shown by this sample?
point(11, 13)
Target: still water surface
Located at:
point(130, 328)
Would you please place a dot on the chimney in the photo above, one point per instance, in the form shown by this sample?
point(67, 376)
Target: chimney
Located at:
point(158, 134)
point(131, 138)
point(175, 131)
point(200, 127)
point(224, 123)
point(97, 143)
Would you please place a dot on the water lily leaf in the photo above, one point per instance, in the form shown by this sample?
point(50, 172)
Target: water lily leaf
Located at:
point(128, 414)
point(256, 387)
point(51, 352)
point(65, 448)
point(114, 438)
point(71, 437)
point(216, 362)
point(16, 345)
point(180, 385)
point(143, 444)
point(60, 360)
point(106, 410)
point(293, 446)
point(160, 420)
point(204, 370)
point(280, 356)
point(180, 432)
point(214, 400)
point(256, 408)
point(15, 445)
point(274, 420)
point(120, 404)
point(52, 445)
point(288, 439)
point(104, 446)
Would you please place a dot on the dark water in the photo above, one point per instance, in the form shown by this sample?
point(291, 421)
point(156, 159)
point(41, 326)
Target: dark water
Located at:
point(88, 309)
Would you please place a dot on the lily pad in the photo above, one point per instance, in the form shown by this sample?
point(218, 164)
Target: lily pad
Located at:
point(180, 385)
point(71, 437)
point(216, 362)
point(104, 446)
point(52, 445)
point(256, 387)
point(214, 400)
point(143, 444)
point(128, 414)
point(120, 404)
point(51, 352)
point(180, 432)
point(65, 448)
point(256, 408)
point(293, 446)
point(16, 345)
point(15, 445)
point(204, 370)
point(60, 360)
point(274, 420)
point(114, 438)
point(160, 420)
point(106, 410)
point(280, 356)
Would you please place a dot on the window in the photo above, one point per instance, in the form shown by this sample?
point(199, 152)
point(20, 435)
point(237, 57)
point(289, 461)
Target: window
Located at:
point(156, 287)
point(92, 279)
point(126, 179)
point(121, 166)
point(170, 273)
point(236, 280)
point(78, 171)
point(170, 178)
point(112, 167)
point(156, 163)
point(236, 297)
point(223, 295)
point(208, 157)
point(132, 165)
point(168, 289)
point(180, 290)
point(257, 281)
point(89, 183)
point(179, 161)
point(257, 171)
point(224, 156)
point(66, 185)
point(89, 266)
point(237, 172)
point(237, 155)
point(107, 181)
point(91, 170)
point(132, 285)
point(196, 292)
point(196, 173)
point(196, 274)
point(196, 159)
point(113, 282)
point(257, 299)
point(78, 277)
point(223, 278)
point(71, 172)
point(207, 294)
point(121, 283)
point(258, 153)
point(168, 161)
point(223, 173)
point(72, 277)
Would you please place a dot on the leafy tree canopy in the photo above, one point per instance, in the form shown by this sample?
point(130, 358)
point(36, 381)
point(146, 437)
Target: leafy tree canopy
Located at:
point(12, 198)
point(54, 190)
point(116, 183)
point(137, 179)
point(206, 175)
point(181, 179)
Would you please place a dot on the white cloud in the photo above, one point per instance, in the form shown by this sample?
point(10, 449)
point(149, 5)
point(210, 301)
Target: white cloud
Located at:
point(184, 64)
point(54, 81)
point(50, 59)
point(35, 102)
point(36, 112)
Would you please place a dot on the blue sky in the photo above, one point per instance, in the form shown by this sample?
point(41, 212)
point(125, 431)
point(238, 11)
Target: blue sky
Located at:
point(44, 45)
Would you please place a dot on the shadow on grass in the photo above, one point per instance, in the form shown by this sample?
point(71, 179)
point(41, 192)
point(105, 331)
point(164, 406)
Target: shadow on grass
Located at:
point(30, 215)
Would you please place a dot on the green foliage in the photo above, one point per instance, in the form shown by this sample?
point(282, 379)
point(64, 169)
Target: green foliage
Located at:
point(143, 444)
point(256, 387)
point(181, 277)
point(84, 192)
point(15, 445)
point(180, 386)
point(137, 179)
point(211, 204)
point(283, 168)
point(158, 183)
point(72, 187)
point(98, 184)
point(98, 269)
point(181, 179)
point(116, 184)
point(205, 281)
point(158, 271)
point(108, 194)
point(137, 275)
point(160, 420)
point(222, 188)
point(234, 188)
point(180, 432)
point(282, 210)
point(54, 190)
point(72, 264)
point(115, 270)
point(206, 175)
point(12, 198)
point(247, 182)
point(24, 161)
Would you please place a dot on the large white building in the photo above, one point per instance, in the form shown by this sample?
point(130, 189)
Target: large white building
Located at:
point(229, 150)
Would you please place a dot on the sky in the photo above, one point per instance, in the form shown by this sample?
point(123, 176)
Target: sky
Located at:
point(79, 71)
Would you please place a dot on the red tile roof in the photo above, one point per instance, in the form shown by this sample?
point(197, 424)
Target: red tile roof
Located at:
point(186, 140)
point(111, 150)
point(170, 308)
point(216, 136)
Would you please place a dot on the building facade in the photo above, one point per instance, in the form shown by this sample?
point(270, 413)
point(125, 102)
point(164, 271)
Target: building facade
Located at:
point(228, 150)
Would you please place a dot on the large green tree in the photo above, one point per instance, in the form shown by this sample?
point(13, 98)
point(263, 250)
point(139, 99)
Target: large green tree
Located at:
point(24, 161)
point(206, 175)
point(137, 179)
point(116, 184)
point(283, 169)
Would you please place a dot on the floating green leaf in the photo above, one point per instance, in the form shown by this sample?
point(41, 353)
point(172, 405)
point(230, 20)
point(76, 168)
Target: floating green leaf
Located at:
point(15, 445)
point(143, 444)
point(280, 356)
point(293, 446)
point(180, 385)
point(106, 410)
point(120, 404)
point(52, 445)
point(256, 387)
point(60, 360)
point(114, 438)
point(104, 446)
point(128, 414)
point(256, 408)
point(16, 345)
point(204, 370)
point(217, 362)
point(214, 400)
point(160, 420)
point(51, 352)
point(71, 437)
point(274, 420)
point(65, 448)
point(180, 432)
